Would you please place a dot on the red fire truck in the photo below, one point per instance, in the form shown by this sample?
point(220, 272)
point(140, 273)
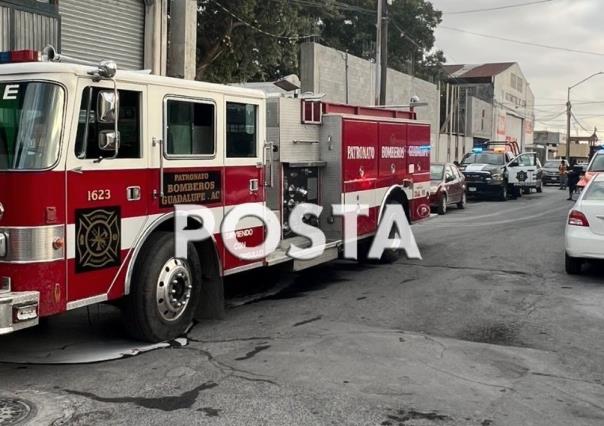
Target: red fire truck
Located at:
point(93, 161)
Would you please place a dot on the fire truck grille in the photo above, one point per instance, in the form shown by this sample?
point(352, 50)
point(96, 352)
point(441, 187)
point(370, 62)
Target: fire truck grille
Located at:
point(14, 411)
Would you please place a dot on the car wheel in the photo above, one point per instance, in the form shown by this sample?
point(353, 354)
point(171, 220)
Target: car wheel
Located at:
point(165, 291)
point(464, 199)
point(526, 191)
point(442, 206)
point(503, 194)
point(573, 265)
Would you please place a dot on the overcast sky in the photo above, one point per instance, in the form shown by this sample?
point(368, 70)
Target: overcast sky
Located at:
point(574, 24)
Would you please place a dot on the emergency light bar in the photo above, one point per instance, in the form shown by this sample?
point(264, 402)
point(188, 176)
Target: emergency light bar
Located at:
point(477, 150)
point(17, 56)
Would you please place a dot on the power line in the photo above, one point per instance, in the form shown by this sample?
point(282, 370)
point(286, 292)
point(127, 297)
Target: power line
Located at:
point(260, 30)
point(574, 103)
point(578, 122)
point(338, 5)
point(509, 6)
point(526, 43)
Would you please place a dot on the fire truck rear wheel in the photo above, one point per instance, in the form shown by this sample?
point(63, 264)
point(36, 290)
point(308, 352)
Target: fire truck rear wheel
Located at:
point(165, 291)
point(391, 256)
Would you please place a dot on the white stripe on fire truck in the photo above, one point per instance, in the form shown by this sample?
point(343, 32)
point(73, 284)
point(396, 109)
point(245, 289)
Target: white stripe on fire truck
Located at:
point(133, 227)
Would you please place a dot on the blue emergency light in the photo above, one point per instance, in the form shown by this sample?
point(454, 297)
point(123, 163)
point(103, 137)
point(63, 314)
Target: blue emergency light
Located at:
point(477, 150)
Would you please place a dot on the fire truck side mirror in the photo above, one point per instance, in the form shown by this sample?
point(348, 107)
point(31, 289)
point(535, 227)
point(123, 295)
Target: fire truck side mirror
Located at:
point(109, 140)
point(107, 105)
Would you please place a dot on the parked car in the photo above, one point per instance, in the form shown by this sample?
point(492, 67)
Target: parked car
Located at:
point(596, 165)
point(585, 227)
point(448, 187)
point(485, 173)
point(551, 173)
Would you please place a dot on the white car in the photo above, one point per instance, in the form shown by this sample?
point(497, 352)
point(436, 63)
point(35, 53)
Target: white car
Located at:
point(585, 227)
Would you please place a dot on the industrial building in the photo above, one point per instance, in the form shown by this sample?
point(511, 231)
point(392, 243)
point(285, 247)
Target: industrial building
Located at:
point(491, 101)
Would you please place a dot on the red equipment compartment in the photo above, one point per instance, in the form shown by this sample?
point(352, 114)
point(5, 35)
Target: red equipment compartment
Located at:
point(419, 152)
point(392, 153)
point(359, 161)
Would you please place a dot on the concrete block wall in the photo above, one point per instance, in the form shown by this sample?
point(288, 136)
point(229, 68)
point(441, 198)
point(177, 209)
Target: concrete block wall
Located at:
point(345, 78)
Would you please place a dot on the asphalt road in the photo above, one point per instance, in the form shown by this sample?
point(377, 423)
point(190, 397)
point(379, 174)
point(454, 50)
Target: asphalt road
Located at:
point(486, 330)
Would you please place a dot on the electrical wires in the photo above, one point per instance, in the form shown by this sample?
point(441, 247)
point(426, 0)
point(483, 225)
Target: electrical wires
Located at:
point(526, 43)
point(491, 9)
point(260, 30)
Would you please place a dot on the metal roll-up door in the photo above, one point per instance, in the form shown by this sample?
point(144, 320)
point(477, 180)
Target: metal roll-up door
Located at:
point(513, 129)
point(104, 29)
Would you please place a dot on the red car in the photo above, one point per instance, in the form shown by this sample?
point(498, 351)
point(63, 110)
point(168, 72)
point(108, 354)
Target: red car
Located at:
point(448, 187)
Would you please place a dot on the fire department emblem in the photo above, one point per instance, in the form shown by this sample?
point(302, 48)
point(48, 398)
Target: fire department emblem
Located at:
point(522, 176)
point(98, 238)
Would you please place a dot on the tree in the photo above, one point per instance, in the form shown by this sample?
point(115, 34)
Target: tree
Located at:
point(246, 40)
point(410, 38)
point(243, 40)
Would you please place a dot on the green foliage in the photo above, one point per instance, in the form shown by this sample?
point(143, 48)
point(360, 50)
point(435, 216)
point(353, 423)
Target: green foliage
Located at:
point(257, 40)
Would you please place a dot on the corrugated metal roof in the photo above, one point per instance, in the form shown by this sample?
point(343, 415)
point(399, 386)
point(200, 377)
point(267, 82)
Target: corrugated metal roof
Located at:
point(477, 70)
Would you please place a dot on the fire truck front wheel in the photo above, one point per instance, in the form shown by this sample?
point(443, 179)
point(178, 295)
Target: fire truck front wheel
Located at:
point(165, 291)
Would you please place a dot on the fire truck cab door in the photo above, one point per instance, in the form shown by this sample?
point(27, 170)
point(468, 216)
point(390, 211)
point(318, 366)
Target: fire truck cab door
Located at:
point(245, 136)
point(523, 170)
point(107, 190)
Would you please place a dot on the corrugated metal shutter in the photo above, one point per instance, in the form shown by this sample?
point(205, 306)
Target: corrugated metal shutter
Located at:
point(104, 29)
point(32, 29)
point(4, 28)
point(513, 128)
point(35, 31)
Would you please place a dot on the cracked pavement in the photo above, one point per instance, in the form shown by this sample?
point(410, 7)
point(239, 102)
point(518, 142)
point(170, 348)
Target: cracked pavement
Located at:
point(486, 330)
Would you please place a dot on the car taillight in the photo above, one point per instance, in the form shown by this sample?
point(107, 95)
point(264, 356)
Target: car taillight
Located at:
point(576, 218)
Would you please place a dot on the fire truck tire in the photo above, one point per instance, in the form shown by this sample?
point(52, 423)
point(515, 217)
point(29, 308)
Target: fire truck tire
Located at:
point(165, 291)
point(391, 256)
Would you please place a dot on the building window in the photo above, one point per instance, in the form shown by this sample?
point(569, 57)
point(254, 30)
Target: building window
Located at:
point(242, 130)
point(190, 128)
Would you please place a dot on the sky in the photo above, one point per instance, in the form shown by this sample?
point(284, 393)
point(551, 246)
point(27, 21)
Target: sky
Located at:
point(572, 24)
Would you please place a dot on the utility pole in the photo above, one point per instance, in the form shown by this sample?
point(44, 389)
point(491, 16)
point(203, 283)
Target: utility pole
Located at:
point(378, 51)
point(384, 54)
point(569, 112)
point(183, 39)
point(568, 116)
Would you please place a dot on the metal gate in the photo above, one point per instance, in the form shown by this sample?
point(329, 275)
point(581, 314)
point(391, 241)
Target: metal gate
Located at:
point(28, 24)
point(104, 29)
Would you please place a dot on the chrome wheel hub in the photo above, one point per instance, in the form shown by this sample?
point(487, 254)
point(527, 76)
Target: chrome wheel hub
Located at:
point(174, 287)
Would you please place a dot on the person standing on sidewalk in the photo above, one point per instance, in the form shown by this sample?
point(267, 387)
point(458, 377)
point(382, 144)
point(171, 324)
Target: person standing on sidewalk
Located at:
point(563, 174)
point(574, 175)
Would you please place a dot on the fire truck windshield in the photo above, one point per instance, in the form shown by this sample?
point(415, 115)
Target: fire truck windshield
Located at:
point(31, 121)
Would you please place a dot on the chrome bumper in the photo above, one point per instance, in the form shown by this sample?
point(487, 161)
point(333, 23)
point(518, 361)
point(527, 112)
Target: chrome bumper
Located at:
point(18, 310)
